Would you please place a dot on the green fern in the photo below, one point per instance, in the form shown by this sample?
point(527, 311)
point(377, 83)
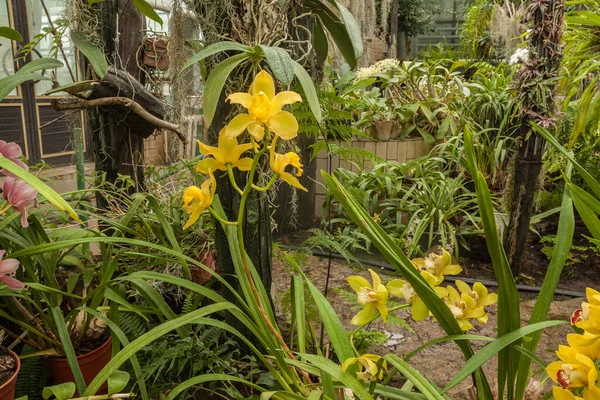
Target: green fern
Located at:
point(33, 376)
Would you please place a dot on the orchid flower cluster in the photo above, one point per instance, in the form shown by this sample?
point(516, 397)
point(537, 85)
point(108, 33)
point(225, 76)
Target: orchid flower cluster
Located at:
point(466, 303)
point(264, 116)
point(17, 195)
point(576, 371)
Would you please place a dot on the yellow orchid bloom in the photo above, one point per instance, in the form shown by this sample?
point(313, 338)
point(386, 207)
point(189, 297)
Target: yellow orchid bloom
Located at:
point(437, 265)
point(367, 364)
point(371, 296)
point(588, 316)
point(586, 344)
point(479, 293)
point(264, 109)
point(559, 393)
point(197, 200)
point(464, 305)
point(279, 162)
point(227, 152)
point(401, 288)
point(573, 370)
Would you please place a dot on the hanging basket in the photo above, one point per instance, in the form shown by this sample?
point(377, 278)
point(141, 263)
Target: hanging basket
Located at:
point(155, 53)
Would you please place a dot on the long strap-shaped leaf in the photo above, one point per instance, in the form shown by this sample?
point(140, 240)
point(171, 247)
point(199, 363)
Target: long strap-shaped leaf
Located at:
point(564, 238)
point(509, 317)
point(393, 254)
point(65, 338)
point(415, 377)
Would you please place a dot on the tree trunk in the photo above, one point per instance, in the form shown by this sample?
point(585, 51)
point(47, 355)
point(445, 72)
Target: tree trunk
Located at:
point(535, 84)
point(393, 36)
point(118, 149)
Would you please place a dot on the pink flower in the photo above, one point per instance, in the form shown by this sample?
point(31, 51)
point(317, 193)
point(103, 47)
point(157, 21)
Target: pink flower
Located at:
point(13, 152)
point(8, 267)
point(20, 195)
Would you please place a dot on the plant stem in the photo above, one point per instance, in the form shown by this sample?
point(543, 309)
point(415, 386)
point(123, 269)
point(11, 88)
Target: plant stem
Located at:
point(221, 220)
point(232, 179)
point(267, 187)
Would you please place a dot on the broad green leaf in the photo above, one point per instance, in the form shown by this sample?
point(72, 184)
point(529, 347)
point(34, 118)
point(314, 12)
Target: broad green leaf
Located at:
point(146, 9)
point(148, 338)
point(65, 339)
point(320, 44)
point(215, 82)
point(75, 87)
point(11, 82)
point(214, 49)
point(494, 347)
point(40, 64)
point(63, 391)
point(310, 92)
point(117, 381)
point(46, 191)
point(280, 63)
point(414, 376)
point(10, 33)
point(93, 53)
point(353, 29)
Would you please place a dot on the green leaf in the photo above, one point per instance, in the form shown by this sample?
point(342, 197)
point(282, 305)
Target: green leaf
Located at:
point(215, 82)
point(64, 391)
point(11, 82)
point(414, 376)
point(200, 379)
point(310, 92)
point(333, 326)
point(298, 309)
point(335, 371)
point(65, 339)
point(280, 63)
point(117, 381)
point(46, 191)
point(353, 29)
point(564, 238)
point(146, 9)
point(214, 49)
point(93, 53)
point(446, 339)
point(148, 338)
point(10, 33)
point(494, 347)
point(320, 44)
point(40, 64)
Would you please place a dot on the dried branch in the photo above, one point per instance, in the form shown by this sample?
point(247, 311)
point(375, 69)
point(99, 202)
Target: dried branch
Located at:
point(59, 105)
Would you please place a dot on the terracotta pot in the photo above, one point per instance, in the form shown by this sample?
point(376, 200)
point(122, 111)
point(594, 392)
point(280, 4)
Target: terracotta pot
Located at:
point(156, 53)
point(382, 130)
point(199, 275)
point(7, 390)
point(90, 363)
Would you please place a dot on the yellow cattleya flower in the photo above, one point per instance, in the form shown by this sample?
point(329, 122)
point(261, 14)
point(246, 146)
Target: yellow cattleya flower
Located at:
point(279, 162)
point(479, 293)
point(586, 344)
point(588, 316)
point(559, 393)
point(465, 306)
point(197, 200)
point(419, 310)
point(437, 265)
point(264, 109)
point(227, 152)
point(367, 364)
point(573, 370)
point(371, 296)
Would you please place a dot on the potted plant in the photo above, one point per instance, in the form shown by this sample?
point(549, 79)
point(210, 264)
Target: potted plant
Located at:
point(53, 286)
point(376, 114)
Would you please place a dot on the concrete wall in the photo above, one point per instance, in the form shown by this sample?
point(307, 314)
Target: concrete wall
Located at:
point(392, 150)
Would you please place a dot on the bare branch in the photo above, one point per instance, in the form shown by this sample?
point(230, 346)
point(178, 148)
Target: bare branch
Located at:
point(61, 105)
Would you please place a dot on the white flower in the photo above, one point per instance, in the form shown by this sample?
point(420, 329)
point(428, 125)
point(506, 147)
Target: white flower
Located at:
point(521, 55)
point(380, 67)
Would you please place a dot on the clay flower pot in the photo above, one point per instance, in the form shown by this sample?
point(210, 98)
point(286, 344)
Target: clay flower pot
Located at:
point(382, 130)
point(90, 363)
point(7, 390)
